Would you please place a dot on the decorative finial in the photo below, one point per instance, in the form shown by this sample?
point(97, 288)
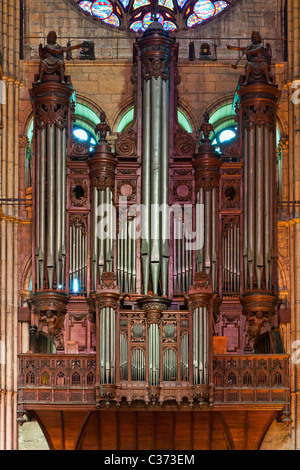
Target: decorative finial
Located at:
point(206, 128)
point(102, 128)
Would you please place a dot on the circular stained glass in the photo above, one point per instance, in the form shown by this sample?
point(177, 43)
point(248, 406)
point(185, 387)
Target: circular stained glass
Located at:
point(148, 19)
point(86, 6)
point(204, 9)
point(193, 20)
point(123, 14)
point(169, 26)
point(137, 26)
point(102, 9)
point(220, 6)
point(113, 20)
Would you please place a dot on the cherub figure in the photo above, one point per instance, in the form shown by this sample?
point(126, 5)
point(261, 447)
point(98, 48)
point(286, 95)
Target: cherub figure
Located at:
point(52, 57)
point(259, 58)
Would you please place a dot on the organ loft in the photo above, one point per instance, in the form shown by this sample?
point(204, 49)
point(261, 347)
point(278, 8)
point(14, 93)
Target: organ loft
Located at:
point(152, 312)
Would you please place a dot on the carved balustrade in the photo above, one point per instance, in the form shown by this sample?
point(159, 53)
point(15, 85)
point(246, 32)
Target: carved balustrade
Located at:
point(62, 379)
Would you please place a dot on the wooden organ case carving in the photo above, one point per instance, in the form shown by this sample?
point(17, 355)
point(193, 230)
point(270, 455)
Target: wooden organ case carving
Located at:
point(139, 305)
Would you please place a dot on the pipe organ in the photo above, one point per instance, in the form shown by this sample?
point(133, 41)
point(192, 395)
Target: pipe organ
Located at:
point(146, 253)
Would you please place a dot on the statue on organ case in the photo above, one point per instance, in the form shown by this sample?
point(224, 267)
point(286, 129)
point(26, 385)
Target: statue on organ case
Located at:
point(52, 57)
point(259, 59)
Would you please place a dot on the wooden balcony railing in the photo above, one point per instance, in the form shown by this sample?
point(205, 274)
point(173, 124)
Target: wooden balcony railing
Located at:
point(70, 379)
point(251, 378)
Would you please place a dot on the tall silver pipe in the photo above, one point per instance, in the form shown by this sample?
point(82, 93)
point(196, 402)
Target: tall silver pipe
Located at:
point(42, 208)
point(245, 205)
point(155, 178)
point(37, 206)
point(145, 217)
point(58, 206)
point(50, 203)
point(251, 207)
point(184, 363)
point(165, 222)
point(200, 252)
point(259, 202)
point(207, 233)
point(101, 241)
point(271, 207)
point(63, 205)
point(215, 238)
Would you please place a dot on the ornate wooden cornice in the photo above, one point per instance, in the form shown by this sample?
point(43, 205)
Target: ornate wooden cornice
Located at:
point(154, 306)
point(108, 293)
point(51, 102)
point(102, 168)
point(156, 53)
point(200, 294)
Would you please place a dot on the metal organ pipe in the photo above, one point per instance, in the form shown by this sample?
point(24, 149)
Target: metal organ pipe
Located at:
point(259, 128)
point(155, 158)
point(207, 164)
point(50, 182)
point(102, 174)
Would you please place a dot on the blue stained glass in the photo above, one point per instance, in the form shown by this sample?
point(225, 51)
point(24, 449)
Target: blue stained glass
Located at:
point(86, 6)
point(147, 19)
point(166, 3)
point(192, 20)
point(102, 9)
point(181, 3)
point(125, 3)
point(140, 3)
point(169, 26)
point(219, 6)
point(204, 9)
point(137, 26)
point(113, 20)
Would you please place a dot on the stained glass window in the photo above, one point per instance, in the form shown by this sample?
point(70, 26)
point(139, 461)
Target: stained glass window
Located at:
point(140, 3)
point(102, 8)
point(166, 4)
point(121, 13)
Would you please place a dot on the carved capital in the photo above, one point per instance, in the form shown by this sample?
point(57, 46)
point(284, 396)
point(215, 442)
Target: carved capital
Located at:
point(108, 293)
point(102, 169)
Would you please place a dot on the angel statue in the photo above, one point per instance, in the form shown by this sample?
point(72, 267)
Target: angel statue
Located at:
point(259, 59)
point(52, 57)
